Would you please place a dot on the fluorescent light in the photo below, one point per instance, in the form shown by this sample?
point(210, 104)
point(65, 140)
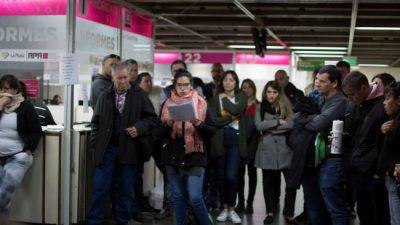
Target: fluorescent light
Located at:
point(320, 52)
point(316, 48)
point(377, 28)
point(374, 65)
point(320, 56)
point(252, 47)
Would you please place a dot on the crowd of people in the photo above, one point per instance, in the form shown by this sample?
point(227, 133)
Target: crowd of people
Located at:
point(204, 159)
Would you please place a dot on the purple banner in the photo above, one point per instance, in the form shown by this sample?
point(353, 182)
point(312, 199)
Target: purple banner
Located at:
point(137, 23)
point(165, 57)
point(32, 7)
point(269, 58)
point(207, 57)
point(100, 11)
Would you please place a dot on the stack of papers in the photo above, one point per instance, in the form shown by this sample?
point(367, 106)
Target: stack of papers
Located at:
point(184, 111)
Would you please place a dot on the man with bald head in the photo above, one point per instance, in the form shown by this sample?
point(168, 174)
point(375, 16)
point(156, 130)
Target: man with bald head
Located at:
point(217, 71)
point(290, 90)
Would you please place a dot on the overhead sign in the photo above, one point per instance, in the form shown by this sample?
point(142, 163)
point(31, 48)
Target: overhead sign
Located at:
point(207, 57)
point(352, 60)
point(32, 7)
point(269, 58)
point(309, 65)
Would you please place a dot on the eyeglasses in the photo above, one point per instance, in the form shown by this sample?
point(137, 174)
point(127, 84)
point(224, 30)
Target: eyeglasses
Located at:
point(183, 85)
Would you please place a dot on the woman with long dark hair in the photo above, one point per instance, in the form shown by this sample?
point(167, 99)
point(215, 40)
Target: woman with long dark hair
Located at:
point(389, 154)
point(273, 156)
point(20, 132)
point(186, 158)
point(249, 88)
point(229, 145)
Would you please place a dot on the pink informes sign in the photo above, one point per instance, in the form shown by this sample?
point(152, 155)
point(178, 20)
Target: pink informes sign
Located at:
point(165, 57)
point(32, 7)
point(100, 11)
point(207, 57)
point(269, 58)
point(138, 23)
point(32, 88)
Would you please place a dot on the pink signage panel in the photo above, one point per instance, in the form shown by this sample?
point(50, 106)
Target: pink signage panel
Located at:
point(32, 87)
point(165, 57)
point(33, 7)
point(100, 11)
point(269, 58)
point(207, 57)
point(138, 23)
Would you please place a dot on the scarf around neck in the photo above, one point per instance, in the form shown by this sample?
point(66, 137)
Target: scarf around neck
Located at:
point(14, 103)
point(266, 107)
point(192, 138)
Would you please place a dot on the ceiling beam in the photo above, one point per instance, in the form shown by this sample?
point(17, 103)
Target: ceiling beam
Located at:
point(395, 62)
point(260, 22)
point(189, 30)
point(352, 27)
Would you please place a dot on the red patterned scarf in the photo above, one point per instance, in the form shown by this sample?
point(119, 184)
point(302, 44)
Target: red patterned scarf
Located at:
point(193, 140)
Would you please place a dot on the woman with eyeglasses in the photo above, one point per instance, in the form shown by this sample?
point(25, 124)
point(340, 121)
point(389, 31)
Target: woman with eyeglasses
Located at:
point(229, 144)
point(185, 153)
point(20, 132)
point(389, 154)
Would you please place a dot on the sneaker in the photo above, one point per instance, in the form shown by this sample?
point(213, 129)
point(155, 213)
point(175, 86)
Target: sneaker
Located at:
point(223, 216)
point(164, 213)
point(239, 208)
point(234, 217)
point(269, 219)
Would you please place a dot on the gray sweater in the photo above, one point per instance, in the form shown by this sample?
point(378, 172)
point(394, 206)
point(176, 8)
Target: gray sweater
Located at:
point(332, 108)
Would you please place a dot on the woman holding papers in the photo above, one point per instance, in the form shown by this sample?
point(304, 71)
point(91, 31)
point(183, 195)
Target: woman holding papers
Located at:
point(229, 144)
point(185, 153)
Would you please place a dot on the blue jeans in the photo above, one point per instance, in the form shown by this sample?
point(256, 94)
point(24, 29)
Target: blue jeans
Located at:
point(194, 190)
point(394, 201)
point(324, 194)
point(107, 174)
point(12, 172)
point(229, 167)
point(372, 199)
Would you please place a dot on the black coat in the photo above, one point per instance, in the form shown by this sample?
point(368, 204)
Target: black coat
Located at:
point(389, 153)
point(173, 152)
point(28, 126)
point(293, 93)
point(138, 112)
point(363, 124)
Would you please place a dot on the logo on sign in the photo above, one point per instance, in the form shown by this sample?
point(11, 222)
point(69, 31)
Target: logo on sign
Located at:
point(38, 55)
point(4, 55)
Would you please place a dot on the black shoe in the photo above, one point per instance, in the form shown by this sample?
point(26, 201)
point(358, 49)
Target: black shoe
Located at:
point(291, 221)
point(268, 220)
point(164, 213)
point(143, 217)
point(302, 218)
point(249, 209)
point(239, 208)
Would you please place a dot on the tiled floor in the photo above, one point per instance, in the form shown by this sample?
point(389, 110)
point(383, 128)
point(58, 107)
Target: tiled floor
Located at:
point(259, 209)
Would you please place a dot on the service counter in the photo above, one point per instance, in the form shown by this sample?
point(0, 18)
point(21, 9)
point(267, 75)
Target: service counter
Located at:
point(38, 200)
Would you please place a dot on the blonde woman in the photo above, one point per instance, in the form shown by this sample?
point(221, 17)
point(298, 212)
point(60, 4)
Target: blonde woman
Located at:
point(273, 156)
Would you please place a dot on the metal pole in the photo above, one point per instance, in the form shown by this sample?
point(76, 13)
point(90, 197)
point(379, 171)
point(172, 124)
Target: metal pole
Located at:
point(68, 123)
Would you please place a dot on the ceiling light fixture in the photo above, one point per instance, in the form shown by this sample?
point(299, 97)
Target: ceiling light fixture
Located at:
point(320, 56)
point(321, 52)
point(373, 65)
point(252, 47)
point(316, 48)
point(377, 28)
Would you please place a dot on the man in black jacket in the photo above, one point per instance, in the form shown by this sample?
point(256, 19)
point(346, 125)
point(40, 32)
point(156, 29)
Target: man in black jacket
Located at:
point(102, 81)
point(362, 122)
point(290, 90)
point(122, 116)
